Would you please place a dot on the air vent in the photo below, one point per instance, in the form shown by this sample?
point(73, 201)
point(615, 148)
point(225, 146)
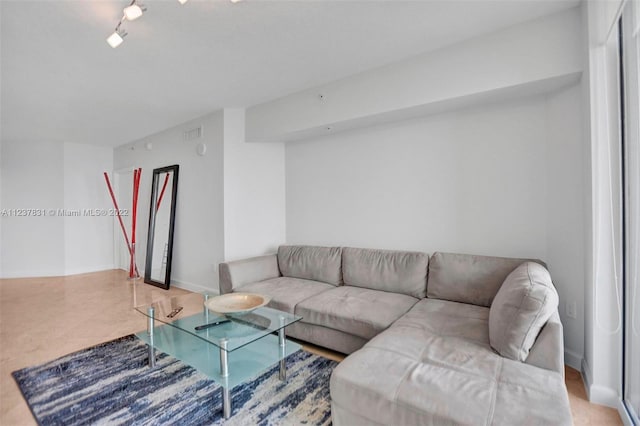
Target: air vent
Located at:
point(192, 134)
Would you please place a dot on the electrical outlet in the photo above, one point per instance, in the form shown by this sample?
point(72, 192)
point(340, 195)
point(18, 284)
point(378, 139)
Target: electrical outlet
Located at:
point(571, 310)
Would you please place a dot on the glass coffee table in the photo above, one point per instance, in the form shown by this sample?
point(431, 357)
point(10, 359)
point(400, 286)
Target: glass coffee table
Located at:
point(230, 352)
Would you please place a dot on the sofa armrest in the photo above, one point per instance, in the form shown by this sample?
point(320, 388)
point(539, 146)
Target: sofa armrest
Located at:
point(548, 350)
point(234, 274)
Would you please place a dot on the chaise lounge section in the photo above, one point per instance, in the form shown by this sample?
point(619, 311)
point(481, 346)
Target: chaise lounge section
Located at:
point(422, 351)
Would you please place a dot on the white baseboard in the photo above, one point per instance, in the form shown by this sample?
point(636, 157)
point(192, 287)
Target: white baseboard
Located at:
point(598, 394)
point(572, 359)
point(604, 396)
point(197, 288)
point(585, 371)
point(88, 269)
point(55, 272)
point(33, 273)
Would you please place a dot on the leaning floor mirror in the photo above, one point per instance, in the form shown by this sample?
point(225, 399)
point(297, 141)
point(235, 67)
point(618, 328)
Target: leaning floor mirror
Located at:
point(162, 215)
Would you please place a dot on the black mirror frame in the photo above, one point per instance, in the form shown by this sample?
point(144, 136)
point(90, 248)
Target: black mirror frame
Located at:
point(152, 224)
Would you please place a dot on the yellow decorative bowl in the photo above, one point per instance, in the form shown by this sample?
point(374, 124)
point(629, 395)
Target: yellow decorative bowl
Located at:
point(236, 303)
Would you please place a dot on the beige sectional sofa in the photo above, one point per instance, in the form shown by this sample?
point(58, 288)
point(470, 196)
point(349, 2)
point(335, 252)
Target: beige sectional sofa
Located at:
point(426, 344)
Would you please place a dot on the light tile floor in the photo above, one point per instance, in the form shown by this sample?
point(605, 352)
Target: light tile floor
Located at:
point(44, 318)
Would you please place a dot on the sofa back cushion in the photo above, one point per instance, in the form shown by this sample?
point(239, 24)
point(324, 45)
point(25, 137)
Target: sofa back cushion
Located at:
point(468, 278)
point(401, 272)
point(525, 302)
point(311, 263)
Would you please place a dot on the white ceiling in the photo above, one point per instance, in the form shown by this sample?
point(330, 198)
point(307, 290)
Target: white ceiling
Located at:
point(61, 81)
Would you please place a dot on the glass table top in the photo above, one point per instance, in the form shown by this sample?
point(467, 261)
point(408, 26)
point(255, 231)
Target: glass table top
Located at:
point(186, 312)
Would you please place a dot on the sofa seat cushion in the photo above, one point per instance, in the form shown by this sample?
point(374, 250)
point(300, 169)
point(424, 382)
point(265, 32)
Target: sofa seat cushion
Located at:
point(286, 292)
point(358, 311)
point(435, 366)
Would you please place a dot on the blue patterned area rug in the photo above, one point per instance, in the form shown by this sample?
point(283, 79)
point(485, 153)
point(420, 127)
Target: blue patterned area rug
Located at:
point(112, 384)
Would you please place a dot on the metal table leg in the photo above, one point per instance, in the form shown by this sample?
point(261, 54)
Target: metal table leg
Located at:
point(224, 372)
point(206, 310)
point(283, 342)
point(150, 321)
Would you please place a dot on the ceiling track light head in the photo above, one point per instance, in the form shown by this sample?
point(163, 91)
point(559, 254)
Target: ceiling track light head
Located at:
point(133, 11)
point(117, 37)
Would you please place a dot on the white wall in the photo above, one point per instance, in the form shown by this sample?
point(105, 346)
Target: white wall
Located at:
point(231, 201)
point(54, 177)
point(1, 206)
point(465, 181)
point(565, 204)
point(32, 178)
point(588, 198)
point(254, 192)
point(88, 241)
point(199, 224)
point(244, 180)
point(479, 180)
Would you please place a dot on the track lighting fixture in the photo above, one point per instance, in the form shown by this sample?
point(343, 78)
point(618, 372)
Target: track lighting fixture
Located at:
point(131, 13)
point(117, 37)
